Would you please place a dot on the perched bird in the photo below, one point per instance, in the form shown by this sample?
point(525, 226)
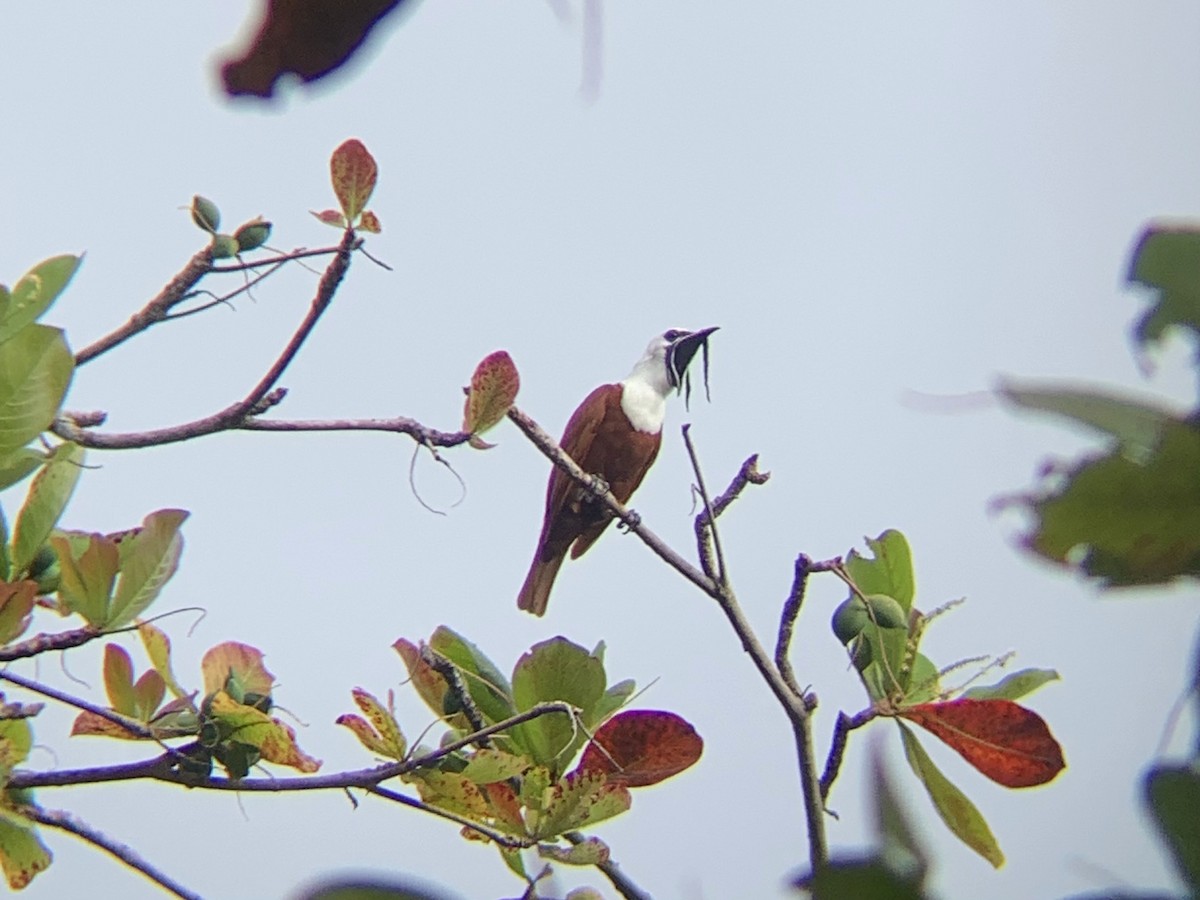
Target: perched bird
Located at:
point(615, 434)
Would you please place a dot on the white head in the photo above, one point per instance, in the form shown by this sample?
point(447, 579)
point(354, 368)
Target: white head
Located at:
point(657, 373)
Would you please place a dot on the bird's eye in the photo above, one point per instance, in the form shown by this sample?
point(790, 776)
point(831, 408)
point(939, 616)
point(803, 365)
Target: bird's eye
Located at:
point(673, 335)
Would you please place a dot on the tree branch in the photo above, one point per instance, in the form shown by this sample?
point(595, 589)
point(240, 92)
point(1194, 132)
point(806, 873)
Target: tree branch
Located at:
point(398, 425)
point(619, 880)
point(837, 747)
point(69, 823)
point(44, 643)
point(499, 837)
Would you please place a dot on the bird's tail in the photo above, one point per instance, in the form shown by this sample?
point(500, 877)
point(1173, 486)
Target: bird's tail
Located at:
point(535, 593)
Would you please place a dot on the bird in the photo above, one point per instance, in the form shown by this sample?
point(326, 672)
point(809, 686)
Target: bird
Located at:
point(614, 434)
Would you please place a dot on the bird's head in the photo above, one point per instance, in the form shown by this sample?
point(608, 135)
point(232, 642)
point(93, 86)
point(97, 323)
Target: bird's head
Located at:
point(668, 355)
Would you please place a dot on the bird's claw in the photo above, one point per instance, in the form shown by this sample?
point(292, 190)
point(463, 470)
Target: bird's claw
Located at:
point(598, 486)
point(631, 521)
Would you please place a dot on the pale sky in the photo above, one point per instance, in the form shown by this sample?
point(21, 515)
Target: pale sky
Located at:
point(876, 204)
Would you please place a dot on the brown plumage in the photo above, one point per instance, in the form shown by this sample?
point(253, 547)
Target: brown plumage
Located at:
point(601, 440)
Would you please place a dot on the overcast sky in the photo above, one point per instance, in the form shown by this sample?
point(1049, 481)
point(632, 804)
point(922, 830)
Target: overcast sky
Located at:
point(883, 208)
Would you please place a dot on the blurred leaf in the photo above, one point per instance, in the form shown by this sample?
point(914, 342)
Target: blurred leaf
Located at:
point(44, 504)
point(158, 648)
point(380, 732)
point(35, 370)
point(35, 292)
point(899, 848)
point(90, 724)
point(493, 391)
point(642, 747)
point(1167, 258)
point(588, 852)
point(1014, 686)
point(5, 561)
point(16, 608)
point(273, 739)
point(1172, 794)
point(614, 698)
point(555, 670)
point(369, 223)
point(353, 172)
point(118, 680)
point(16, 465)
point(1008, 743)
point(147, 563)
point(430, 686)
point(239, 663)
point(1122, 521)
point(22, 854)
point(88, 565)
point(960, 815)
point(306, 38)
point(488, 687)
point(330, 217)
point(924, 683)
point(1138, 426)
point(205, 214)
point(452, 791)
point(858, 879)
point(487, 766)
point(16, 740)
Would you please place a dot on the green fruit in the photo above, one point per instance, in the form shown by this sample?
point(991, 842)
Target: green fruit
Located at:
point(860, 652)
point(224, 246)
point(887, 611)
point(205, 214)
point(45, 570)
point(252, 235)
point(261, 702)
point(850, 619)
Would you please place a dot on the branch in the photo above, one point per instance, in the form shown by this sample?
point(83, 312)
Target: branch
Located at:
point(232, 416)
point(134, 727)
point(837, 747)
point(791, 609)
point(65, 821)
point(454, 681)
point(612, 871)
point(398, 425)
point(44, 643)
point(492, 834)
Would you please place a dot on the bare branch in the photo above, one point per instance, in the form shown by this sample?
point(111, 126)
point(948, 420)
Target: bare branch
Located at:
point(398, 425)
point(706, 522)
point(837, 747)
point(69, 823)
point(131, 725)
point(273, 260)
point(44, 643)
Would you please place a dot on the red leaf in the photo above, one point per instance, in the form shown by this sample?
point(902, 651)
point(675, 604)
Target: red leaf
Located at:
point(642, 747)
point(353, 172)
point(1005, 741)
point(330, 217)
point(493, 390)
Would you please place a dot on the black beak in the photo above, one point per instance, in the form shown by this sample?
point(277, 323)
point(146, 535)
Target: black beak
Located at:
point(681, 353)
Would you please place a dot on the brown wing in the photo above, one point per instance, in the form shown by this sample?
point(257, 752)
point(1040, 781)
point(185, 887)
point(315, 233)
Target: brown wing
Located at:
point(624, 471)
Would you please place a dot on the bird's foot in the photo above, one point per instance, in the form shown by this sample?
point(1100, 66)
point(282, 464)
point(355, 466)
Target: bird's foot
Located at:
point(598, 486)
point(631, 521)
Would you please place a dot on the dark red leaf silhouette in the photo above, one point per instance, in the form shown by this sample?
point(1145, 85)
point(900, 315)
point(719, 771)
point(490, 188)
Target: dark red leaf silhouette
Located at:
point(309, 38)
point(642, 747)
point(1005, 741)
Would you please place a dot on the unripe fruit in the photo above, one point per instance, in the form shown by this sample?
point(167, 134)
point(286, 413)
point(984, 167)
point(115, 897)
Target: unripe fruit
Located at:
point(252, 235)
point(224, 246)
point(205, 214)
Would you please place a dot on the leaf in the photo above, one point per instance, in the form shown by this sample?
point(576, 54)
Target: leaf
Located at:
point(1122, 521)
point(45, 502)
point(580, 799)
point(924, 683)
point(148, 693)
point(889, 572)
point(239, 663)
point(369, 223)
point(148, 562)
point(1167, 258)
point(960, 815)
point(118, 680)
point(16, 740)
point(452, 791)
point(16, 607)
point(35, 370)
point(488, 766)
point(353, 171)
point(35, 292)
point(614, 698)
point(858, 879)
point(330, 217)
point(1137, 426)
point(16, 465)
point(555, 670)
point(88, 568)
point(1172, 794)
point(381, 734)
point(158, 648)
point(273, 739)
point(899, 848)
point(1014, 686)
point(1008, 743)
point(430, 686)
point(22, 854)
point(492, 392)
point(488, 687)
point(642, 747)
point(589, 852)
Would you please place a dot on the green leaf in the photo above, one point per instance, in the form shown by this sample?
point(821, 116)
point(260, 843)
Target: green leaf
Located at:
point(16, 465)
point(889, 572)
point(16, 608)
point(556, 670)
point(1125, 522)
point(1167, 258)
point(118, 680)
point(1172, 794)
point(858, 879)
point(148, 563)
point(899, 848)
point(1137, 425)
point(16, 740)
point(923, 681)
point(45, 502)
point(35, 292)
point(588, 852)
point(22, 854)
point(35, 370)
point(960, 815)
point(158, 648)
point(579, 800)
point(487, 766)
point(614, 698)
point(1014, 686)
point(488, 687)
point(88, 564)
point(275, 741)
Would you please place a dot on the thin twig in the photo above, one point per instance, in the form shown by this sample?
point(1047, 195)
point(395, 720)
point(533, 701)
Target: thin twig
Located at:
point(65, 821)
point(837, 747)
point(706, 522)
point(134, 727)
point(499, 837)
point(398, 425)
point(619, 880)
point(273, 260)
point(787, 621)
point(45, 643)
point(458, 688)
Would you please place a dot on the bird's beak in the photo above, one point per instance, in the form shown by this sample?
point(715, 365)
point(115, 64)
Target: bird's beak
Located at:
point(683, 351)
